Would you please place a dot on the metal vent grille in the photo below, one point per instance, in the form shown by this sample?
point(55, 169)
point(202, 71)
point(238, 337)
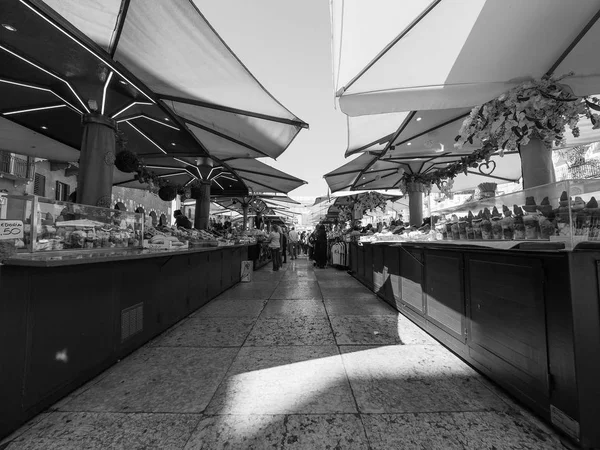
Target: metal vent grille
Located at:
point(132, 321)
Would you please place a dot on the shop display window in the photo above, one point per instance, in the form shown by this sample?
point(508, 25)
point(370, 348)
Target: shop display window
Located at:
point(51, 225)
point(566, 211)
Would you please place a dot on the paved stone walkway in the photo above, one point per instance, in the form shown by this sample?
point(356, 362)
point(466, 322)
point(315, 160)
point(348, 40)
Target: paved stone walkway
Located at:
point(296, 359)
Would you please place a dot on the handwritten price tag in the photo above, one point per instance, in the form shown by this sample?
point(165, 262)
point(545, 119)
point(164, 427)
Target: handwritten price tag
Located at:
point(11, 229)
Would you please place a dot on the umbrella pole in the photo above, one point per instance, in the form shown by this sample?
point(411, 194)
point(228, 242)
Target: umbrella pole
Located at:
point(415, 206)
point(202, 213)
point(245, 212)
point(415, 202)
point(96, 162)
point(537, 166)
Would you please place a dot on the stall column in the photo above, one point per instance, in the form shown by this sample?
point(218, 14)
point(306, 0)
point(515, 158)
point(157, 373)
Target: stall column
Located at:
point(536, 163)
point(245, 212)
point(202, 213)
point(96, 161)
point(415, 202)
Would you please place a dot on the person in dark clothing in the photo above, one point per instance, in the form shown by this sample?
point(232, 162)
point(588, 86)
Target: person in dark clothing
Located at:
point(320, 252)
point(181, 220)
point(284, 244)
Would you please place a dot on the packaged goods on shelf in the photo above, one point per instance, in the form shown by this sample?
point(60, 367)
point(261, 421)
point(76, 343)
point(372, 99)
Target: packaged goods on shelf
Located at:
point(566, 211)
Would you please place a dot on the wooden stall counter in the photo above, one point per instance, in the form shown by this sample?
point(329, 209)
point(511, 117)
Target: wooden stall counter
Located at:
point(527, 317)
point(66, 317)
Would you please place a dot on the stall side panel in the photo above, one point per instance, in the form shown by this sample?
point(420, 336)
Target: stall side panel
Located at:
point(445, 295)
point(14, 303)
point(70, 329)
point(411, 275)
point(507, 323)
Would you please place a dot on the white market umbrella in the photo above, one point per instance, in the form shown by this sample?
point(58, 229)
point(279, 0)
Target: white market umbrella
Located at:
point(428, 55)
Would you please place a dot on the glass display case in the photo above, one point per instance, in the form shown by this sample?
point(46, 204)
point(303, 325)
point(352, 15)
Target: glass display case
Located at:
point(566, 211)
point(54, 226)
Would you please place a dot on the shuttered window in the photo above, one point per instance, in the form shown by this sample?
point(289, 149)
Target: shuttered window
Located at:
point(62, 191)
point(39, 185)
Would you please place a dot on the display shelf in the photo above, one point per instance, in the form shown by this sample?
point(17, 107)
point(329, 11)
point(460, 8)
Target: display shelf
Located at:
point(564, 212)
point(51, 225)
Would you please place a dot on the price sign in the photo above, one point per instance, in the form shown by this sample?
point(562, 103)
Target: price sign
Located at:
point(11, 229)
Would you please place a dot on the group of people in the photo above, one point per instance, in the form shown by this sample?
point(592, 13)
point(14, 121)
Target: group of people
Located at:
point(281, 243)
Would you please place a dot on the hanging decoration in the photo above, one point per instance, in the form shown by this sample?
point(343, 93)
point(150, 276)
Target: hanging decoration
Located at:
point(167, 193)
point(541, 109)
point(361, 202)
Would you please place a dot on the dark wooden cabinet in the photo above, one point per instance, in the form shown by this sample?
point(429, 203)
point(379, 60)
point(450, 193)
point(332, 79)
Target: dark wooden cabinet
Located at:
point(411, 279)
point(62, 325)
point(528, 319)
point(445, 303)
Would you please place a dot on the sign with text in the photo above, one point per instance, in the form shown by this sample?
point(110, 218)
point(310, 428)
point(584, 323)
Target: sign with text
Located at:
point(11, 229)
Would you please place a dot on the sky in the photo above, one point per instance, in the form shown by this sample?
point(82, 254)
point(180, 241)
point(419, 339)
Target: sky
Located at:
point(286, 44)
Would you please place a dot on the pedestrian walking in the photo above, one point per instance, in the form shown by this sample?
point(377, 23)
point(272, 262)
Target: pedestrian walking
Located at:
point(293, 243)
point(275, 247)
point(320, 251)
point(283, 244)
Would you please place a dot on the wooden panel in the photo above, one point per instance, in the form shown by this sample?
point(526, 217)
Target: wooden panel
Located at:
point(141, 281)
point(14, 302)
point(198, 282)
point(445, 302)
point(368, 265)
point(175, 299)
point(354, 258)
point(392, 265)
point(411, 274)
point(361, 262)
point(213, 273)
point(507, 316)
point(377, 272)
point(70, 326)
point(226, 261)
point(585, 285)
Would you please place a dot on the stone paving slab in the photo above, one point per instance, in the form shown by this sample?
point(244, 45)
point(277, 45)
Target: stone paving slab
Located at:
point(457, 431)
point(294, 308)
point(302, 330)
point(90, 430)
point(285, 380)
point(158, 379)
point(298, 291)
point(378, 330)
point(208, 332)
point(231, 308)
point(367, 306)
point(415, 378)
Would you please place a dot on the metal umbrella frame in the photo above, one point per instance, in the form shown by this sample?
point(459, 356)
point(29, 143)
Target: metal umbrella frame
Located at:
point(157, 69)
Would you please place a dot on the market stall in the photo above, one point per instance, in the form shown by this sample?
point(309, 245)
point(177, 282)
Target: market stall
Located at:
point(133, 95)
point(499, 281)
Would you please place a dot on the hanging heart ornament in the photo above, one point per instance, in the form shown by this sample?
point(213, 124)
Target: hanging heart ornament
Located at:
point(487, 168)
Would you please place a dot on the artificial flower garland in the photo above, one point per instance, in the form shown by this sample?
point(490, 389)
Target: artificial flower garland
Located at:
point(541, 109)
point(366, 201)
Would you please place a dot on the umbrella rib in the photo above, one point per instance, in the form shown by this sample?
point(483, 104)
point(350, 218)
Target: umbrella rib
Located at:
point(448, 122)
point(39, 66)
point(66, 28)
point(391, 44)
point(580, 36)
point(403, 126)
point(119, 27)
point(242, 112)
point(341, 173)
point(270, 175)
point(365, 147)
point(268, 187)
point(224, 136)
